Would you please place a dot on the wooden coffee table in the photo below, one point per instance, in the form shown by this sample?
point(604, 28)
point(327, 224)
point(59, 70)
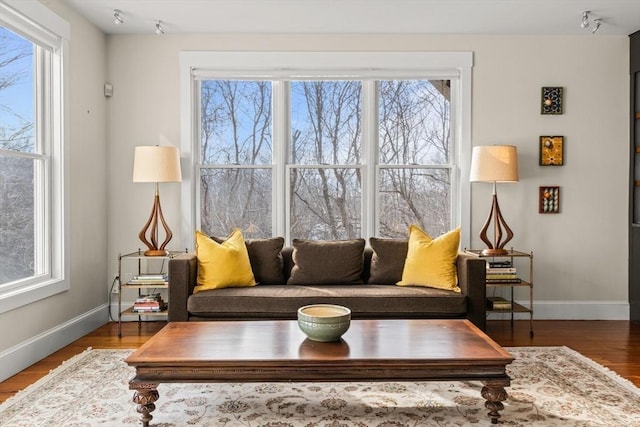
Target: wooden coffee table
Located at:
point(277, 351)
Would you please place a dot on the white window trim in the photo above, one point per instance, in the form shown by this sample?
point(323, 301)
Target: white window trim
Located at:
point(35, 20)
point(345, 65)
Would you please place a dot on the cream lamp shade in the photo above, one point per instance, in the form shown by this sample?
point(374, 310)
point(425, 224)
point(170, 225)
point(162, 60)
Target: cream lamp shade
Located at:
point(494, 163)
point(156, 164)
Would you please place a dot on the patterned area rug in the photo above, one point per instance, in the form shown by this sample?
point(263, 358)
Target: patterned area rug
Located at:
point(551, 386)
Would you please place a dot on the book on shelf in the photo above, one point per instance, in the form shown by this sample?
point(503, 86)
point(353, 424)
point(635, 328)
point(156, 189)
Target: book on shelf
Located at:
point(151, 276)
point(148, 310)
point(149, 297)
point(500, 264)
point(501, 276)
point(501, 270)
point(149, 281)
point(504, 280)
point(498, 303)
point(151, 302)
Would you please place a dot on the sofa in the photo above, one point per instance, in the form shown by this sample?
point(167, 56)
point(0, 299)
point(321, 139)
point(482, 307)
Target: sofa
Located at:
point(334, 272)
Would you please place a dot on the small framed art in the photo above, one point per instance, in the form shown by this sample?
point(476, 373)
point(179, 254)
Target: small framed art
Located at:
point(551, 102)
point(549, 200)
point(551, 150)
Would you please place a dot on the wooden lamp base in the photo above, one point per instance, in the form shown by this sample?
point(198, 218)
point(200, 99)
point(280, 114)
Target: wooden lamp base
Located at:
point(151, 227)
point(495, 248)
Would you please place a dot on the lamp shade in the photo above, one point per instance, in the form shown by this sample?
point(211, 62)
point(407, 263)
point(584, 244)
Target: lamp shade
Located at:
point(494, 163)
point(156, 164)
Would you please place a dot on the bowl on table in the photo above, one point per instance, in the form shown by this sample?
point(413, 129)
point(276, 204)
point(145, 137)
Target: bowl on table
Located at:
point(324, 322)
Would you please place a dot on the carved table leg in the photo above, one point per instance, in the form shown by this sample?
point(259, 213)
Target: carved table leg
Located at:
point(144, 396)
point(495, 394)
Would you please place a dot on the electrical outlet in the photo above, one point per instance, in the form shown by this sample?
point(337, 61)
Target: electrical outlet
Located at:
point(115, 289)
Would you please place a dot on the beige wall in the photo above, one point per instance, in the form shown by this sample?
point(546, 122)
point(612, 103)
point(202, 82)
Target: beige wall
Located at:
point(88, 191)
point(580, 254)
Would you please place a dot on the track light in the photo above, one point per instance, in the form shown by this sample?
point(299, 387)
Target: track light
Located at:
point(159, 29)
point(588, 22)
point(597, 23)
point(117, 17)
point(585, 19)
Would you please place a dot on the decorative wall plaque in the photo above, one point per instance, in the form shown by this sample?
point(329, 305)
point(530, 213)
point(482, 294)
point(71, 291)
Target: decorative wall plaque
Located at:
point(551, 150)
point(551, 102)
point(549, 200)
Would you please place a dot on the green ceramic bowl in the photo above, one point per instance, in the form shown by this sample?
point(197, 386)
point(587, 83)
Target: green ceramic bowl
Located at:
point(324, 322)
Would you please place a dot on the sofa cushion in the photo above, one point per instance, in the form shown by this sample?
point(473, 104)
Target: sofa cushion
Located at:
point(387, 261)
point(222, 265)
point(365, 301)
point(322, 262)
point(431, 262)
point(265, 256)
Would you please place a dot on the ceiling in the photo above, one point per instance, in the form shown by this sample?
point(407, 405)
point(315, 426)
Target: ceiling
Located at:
point(478, 17)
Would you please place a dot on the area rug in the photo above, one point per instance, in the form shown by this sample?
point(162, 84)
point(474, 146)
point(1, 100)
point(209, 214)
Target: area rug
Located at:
point(551, 386)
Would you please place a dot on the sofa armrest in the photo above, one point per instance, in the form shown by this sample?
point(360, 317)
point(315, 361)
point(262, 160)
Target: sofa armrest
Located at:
point(183, 272)
point(472, 281)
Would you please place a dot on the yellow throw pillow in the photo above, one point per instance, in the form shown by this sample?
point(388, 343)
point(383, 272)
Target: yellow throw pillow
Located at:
point(222, 265)
point(431, 262)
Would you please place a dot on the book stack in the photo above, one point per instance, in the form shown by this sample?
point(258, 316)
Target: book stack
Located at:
point(150, 279)
point(151, 303)
point(498, 303)
point(501, 272)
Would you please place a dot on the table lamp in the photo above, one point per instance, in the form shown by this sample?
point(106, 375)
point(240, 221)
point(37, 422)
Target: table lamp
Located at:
point(156, 164)
point(495, 163)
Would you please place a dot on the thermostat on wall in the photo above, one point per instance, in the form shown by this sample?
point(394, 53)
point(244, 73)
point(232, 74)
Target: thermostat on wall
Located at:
point(108, 90)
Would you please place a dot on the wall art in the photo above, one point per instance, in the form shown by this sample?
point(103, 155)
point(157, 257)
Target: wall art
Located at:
point(551, 102)
point(551, 150)
point(549, 200)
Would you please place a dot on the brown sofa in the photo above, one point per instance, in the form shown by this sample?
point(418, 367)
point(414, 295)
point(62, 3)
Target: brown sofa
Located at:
point(373, 293)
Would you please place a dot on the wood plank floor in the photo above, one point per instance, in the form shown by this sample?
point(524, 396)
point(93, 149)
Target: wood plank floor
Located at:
point(614, 344)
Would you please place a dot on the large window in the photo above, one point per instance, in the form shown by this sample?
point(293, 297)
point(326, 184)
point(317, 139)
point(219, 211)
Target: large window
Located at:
point(31, 157)
point(325, 154)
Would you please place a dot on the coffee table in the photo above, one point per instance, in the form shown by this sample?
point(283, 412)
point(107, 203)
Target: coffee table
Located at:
point(277, 351)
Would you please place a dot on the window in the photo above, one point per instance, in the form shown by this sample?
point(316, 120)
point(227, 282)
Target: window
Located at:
point(31, 156)
point(415, 165)
point(325, 153)
point(236, 156)
point(325, 182)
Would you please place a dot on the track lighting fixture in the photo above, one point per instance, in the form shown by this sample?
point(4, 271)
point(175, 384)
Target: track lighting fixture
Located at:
point(597, 23)
point(117, 17)
point(588, 22)
point(585, 19)
point(159, 29)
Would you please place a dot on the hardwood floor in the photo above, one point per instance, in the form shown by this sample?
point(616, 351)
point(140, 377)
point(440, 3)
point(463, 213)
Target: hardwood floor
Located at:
point(614, 344)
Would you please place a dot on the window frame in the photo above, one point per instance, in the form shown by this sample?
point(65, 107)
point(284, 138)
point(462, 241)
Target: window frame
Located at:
point(41, 26)
point(365, 66)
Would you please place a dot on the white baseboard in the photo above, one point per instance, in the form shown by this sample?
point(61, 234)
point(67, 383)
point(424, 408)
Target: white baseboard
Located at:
point(572, 310)
point(25, 354)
